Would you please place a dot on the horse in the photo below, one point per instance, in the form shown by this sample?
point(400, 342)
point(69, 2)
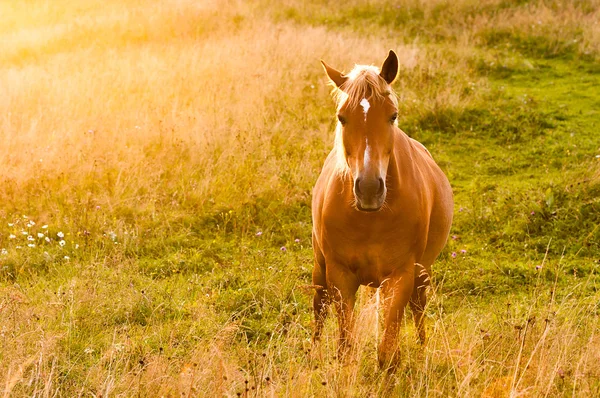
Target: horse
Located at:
point(381, 210)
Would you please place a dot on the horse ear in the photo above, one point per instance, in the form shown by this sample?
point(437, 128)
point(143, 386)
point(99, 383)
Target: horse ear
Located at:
point(389, 70)
point(334, 75)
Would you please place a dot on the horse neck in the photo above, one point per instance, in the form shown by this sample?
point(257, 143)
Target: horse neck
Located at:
point(401, 167)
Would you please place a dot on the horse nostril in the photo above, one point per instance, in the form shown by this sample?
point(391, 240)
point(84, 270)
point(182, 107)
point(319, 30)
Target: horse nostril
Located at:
point(381, 187)
point(357, 186)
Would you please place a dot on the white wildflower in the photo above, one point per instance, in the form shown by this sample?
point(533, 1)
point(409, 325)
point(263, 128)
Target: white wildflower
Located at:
point(10, 224)
point(30, 238)
point(4, 252)
point(60, 234)
point(31, 245)
point(67, 258)
point(62, 242)
point(47, 239)
point(40, 235)
point(11, 236)
point(44, 227)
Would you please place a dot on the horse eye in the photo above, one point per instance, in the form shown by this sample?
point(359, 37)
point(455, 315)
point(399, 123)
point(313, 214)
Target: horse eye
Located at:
point(342, 119)
point(393, 118)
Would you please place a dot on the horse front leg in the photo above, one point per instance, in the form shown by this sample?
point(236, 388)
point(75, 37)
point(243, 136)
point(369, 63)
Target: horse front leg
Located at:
point(342, 286)
point(397, 289)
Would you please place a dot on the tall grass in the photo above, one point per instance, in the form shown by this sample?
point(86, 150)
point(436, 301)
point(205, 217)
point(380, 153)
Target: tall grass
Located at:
point(158, 159)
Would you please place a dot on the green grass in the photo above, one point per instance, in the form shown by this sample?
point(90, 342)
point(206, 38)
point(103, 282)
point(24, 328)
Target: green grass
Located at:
point(183, 265)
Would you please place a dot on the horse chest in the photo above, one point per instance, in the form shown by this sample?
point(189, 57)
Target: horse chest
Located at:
point(373, 247)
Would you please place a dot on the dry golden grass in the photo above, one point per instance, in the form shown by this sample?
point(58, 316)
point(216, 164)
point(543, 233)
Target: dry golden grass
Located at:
point(127, 93)
point(468, 349)
point(134, 86)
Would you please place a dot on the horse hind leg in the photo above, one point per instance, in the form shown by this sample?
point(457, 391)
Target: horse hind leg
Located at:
point(321, 303)
point(418, 300)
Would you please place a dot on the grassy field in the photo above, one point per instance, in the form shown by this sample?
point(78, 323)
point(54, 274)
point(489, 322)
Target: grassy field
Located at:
point(158, 159)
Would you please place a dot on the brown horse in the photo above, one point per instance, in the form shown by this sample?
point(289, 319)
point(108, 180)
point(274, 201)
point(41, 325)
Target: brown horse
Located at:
point(381, 209)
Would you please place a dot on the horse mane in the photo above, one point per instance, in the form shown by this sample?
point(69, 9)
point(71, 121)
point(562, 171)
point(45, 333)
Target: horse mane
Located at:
point(363, 81)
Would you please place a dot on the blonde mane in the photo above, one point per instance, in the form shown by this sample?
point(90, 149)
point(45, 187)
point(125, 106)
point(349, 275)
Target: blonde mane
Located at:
point(363, 81)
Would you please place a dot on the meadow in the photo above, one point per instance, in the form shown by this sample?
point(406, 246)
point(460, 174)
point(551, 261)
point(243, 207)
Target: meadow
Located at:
point(157, 164)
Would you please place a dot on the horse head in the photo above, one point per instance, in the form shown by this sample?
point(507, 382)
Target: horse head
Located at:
point(367, 112)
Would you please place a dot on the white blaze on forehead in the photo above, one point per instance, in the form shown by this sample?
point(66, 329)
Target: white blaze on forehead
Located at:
point(365, 105)
point(367, 156)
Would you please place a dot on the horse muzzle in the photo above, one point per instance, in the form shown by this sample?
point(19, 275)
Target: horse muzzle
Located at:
point(369, 193)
